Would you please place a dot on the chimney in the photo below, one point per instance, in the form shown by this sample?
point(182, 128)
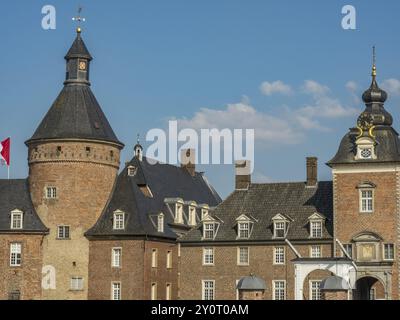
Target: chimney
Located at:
point(242, 174)
point(312, 171)
point(188, 160)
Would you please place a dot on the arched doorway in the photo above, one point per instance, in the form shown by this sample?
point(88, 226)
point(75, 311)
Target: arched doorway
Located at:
point(369, 288)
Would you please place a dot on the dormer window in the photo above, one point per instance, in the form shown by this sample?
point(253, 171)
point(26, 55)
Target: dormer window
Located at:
point(160, 223)
point(192, 215)
point(119, 220)
point(131, 171)
point(279, 229)
point(209, 230)
point(316, 229)
point(178, 213)
point(365, 148)
point(16, 219)
point(204, 210)
point(244, 230)
point(366, 153)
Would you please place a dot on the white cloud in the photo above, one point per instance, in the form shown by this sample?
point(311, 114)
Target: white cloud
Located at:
point(315, 88)
point(259, 177)
point(267, 128)
point(392, 86)
point(352, 86)
point(269, 88)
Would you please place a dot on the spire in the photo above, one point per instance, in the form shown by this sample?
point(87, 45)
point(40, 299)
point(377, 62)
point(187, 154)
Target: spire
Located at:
point(374, 98)
point(138, 149)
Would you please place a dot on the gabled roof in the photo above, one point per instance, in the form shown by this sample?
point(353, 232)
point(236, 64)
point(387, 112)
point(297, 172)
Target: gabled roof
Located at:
point(14, 194)
point(75, 114)
point(266, 201)
point(164, 181)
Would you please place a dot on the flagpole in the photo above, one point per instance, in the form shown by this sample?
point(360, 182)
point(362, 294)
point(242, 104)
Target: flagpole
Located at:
point(8, 172)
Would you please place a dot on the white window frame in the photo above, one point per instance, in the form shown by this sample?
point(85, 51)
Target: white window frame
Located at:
point(76, 284)
point(211, 230)
point(153, 291)
point(116, 290)
point(118, 220)
point(244, 227)
point(384, 251)
point(192, 216)
point(63, 232)
point(316, 290)
point(369, 207)
point(17, 220)
point(160, 222)
point(116, 257)
point(208, 256)
point(317, 235)
point(15, 254)
point(280, 223)
point(207, 290)
point(131, 171)
point(51, 192)
point(316, 251)
point(204, 213)
point(239, 256)
point(169, 259)
point(154, 258)
point(178, 212)
point(274, 289)
point(279, 257)
point(168, 291)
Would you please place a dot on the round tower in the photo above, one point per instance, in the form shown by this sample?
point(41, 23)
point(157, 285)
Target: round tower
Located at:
point(73, 157)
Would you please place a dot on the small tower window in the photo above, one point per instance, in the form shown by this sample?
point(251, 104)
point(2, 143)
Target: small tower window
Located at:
point(88, 150)
point(111, 154)
point(51, 192)
point(366, 153)
point(131, 171)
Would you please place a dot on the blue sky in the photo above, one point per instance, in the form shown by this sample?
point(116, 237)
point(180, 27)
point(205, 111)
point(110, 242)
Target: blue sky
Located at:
point(217, 60)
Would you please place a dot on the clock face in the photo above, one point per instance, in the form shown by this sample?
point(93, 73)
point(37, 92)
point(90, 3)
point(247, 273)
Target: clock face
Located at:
point(82, 65)
point(365, 121)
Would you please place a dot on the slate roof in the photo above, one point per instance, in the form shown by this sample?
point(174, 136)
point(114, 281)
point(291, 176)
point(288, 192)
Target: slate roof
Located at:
point(78, 49)
point(261, 202)
point(75, 114)
point(164, 181)
point(251, 282)
point(14, 194)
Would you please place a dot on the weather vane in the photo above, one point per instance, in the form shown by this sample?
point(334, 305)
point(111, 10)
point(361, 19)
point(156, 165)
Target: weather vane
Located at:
point(373, 61)
point(138, 138)
point(79, 19)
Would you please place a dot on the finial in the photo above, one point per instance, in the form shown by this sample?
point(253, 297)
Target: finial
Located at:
point(373, 62)
point(138, 138)
point(79, 19)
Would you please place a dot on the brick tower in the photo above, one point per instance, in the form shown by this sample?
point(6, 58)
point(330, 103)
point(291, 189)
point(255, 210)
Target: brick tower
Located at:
point(74, 158)
point(366, 184)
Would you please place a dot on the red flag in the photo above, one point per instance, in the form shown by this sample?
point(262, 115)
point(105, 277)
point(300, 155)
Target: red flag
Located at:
point(5, 151)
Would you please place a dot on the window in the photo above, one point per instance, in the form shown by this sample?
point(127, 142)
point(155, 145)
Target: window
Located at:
point(279, 255)
point(316, 229)
point(348, 247)
point(192, 216)
point(116, 257)
point(116, 291)
point(388, 251)
point(63, 232)
point(153, 291)
point(366, 200)
point(154, 258)
point(279, 229)
point(168, 291)
point(160, 223)
point(243, 256)
point(209, 231)
point(315, 292)
point(208, 289)
point(51, 192)
point(244, 230)
point(16, 219)
point(169, 259)
point(131, 171)
point(119, 222)
point(76, 283)
point(315, 252)
point(279, 292)
point(178, 213)
point(15, 254)
point(208, 256)
point(204, 213)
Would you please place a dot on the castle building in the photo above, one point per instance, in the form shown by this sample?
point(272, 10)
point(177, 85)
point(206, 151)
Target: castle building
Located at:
point(80, 228)
point(76, 229)
point(299, 236)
